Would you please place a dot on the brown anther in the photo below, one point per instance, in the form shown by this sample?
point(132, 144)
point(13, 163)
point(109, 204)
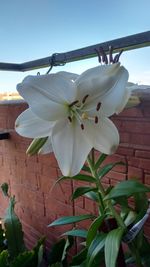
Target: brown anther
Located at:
point(116, 58)
point(96, 119)
point(69, 118)
point(73, 103)
point(103, 54)
point(82, 126)
point(110, 54)
point(99, 56)
point(98, 106)
point(84, 98)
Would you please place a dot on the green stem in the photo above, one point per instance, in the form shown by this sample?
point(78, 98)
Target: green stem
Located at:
point(101, 192)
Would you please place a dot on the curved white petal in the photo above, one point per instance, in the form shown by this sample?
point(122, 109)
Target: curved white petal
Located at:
point(29, 125)
point(115, 99)
point(103, 136)
point(48, 95)
point(47, 147)
point(97, 81)
point(70, 147)
point(69, 75)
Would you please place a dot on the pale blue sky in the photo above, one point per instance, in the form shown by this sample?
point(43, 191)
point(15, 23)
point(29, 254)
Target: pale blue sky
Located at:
point(32, 29)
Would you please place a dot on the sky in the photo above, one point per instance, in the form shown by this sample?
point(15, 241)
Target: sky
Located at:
point(33, 29)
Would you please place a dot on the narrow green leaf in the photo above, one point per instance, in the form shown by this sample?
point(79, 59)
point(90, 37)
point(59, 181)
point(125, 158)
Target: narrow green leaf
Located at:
point(68, 245)
point(86, 168)
point(80, 191)
point(107, 168)
point(79, 177)
point(40, 255)
point(54, 256)
point(95, 248)
point(92, 195)
point(79, 258)
point(100, 160)
point(130, 218)
point(127, 188)
point(141, 204)
point(70, 219)
point(76, 232)
point(112, 245)
point(93, 229)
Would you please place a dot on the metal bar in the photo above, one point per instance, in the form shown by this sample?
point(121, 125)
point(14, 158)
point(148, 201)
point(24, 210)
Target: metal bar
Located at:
point(10, 66)
point(126, 43)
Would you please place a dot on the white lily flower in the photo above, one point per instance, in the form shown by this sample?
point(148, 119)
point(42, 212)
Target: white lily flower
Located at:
point(72, 110)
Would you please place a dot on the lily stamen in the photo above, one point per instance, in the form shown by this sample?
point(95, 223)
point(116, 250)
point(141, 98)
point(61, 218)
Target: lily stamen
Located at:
point(85, 98)
point(82, 126)
point(98, 106)
point(69, 118)
point(73, 103)
point(96, 119)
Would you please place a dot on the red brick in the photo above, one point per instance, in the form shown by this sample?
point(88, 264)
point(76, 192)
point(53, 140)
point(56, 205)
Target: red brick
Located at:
point(116, 175)
point(135, 173)
point(147, 179)
point(127, 151)
point(142, 154)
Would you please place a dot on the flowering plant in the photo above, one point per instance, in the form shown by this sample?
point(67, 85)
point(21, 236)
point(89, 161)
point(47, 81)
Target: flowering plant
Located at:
point(69, 115)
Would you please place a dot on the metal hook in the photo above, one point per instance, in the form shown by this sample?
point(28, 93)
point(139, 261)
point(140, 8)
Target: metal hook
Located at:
point(53, 63)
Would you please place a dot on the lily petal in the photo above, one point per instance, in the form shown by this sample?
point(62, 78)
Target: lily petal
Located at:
point(47, 148)
point(103, 136)
point(97, 81)
point(70, 147)
point(48, 95)
point(29, 125)
point(69, 75)
point(115, 100)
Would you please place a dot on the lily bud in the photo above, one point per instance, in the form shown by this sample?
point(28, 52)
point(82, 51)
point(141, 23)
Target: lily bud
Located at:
point(36, 145)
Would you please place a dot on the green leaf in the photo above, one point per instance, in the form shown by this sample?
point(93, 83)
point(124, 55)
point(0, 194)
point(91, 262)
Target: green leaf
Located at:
point(95, 249)
point(40, 255)
point(23, 259)
point(80, 191)
point(112, 245)
point(4, 258)
point(127, 188)
point(100, 160)
point(79, 177)
point(70, 219)
point(93, 229)
point(107, 168)
point(86, 168)
point(92, 195)
point(130, 218)
point(13, 231)
point(55, 255)
point(79, 258)
point(141, 204)
point(68, 244)
point(4, 188)
point(77, 233)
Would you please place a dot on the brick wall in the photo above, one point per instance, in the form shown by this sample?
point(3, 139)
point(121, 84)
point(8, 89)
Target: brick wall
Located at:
point(31, 179)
